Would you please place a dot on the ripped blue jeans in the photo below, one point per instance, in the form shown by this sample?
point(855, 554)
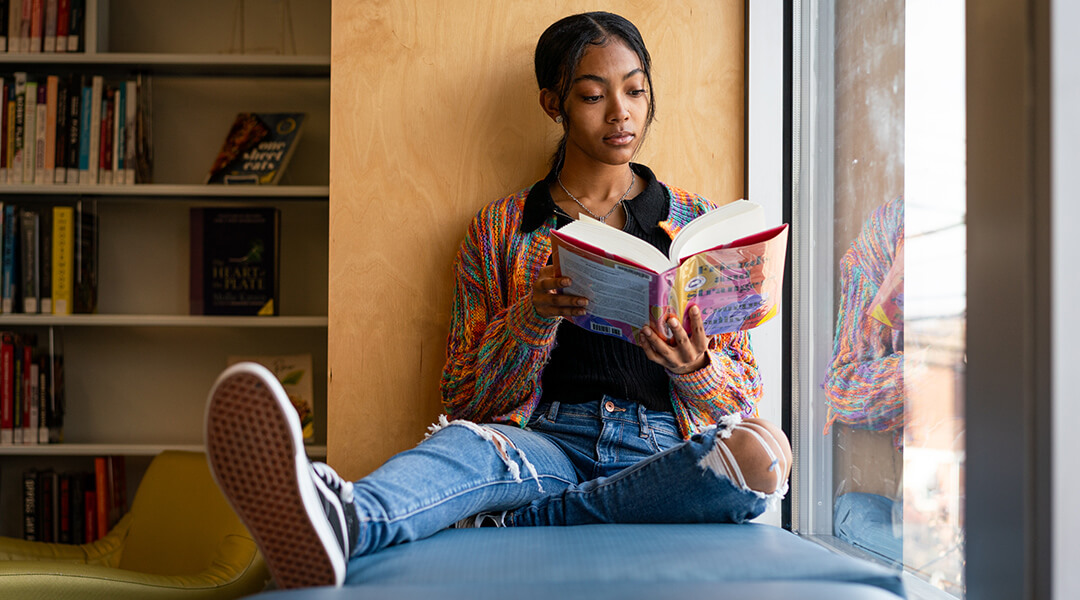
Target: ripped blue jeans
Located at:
point(611, 461)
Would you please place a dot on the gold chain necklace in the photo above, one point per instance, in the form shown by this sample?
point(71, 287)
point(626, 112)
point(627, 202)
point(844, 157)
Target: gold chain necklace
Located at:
point(604, 218)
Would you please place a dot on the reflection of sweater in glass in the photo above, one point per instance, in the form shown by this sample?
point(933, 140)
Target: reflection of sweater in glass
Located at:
point(498, 344)
point(864, 387)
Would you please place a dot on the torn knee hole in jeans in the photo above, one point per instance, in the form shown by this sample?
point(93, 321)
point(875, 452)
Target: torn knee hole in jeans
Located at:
point(502, 445)
point(722, 462)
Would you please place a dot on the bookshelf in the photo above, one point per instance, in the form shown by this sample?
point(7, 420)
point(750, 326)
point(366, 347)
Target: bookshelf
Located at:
point(137, 372)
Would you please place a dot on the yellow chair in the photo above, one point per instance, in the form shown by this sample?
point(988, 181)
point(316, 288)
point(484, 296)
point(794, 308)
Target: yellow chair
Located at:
point(180, 539)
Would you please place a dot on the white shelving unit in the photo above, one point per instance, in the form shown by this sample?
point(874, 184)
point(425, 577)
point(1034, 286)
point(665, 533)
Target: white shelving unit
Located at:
point(137, 373)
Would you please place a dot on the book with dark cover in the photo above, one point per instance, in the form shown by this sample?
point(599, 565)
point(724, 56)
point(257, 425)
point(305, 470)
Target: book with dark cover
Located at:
point(257, 148)
point(235, 261)
point(30, 512)
point(64, 513)
point(46, 516)
point(78, 508)
point(86, 257)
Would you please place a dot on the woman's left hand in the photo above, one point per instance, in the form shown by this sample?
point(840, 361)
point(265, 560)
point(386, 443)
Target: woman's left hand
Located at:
point(684, 352)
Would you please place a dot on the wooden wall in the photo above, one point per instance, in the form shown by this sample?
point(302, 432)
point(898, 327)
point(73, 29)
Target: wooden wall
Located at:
point(434, 113)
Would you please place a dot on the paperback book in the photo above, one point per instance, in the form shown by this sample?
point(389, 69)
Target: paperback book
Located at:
point(257, 148)
point(295, 374)
point(726, 262)
point(234, 261)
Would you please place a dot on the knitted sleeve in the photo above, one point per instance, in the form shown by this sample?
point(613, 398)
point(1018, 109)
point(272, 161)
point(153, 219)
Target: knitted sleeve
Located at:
point(497, 346)
point(864, 386)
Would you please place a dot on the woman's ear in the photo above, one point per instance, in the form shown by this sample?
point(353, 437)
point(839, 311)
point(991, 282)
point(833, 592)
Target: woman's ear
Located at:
point(549, 101)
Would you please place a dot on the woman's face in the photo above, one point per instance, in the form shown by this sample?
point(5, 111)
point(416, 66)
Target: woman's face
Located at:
point(607, 106)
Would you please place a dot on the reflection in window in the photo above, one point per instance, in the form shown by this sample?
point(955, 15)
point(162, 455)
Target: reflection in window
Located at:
point(892, 387)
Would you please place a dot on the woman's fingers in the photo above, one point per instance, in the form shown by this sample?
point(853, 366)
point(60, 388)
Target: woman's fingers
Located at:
point(683, 352)
point(549, 302)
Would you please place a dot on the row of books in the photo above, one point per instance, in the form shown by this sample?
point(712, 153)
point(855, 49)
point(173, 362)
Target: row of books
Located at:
point(74, 507)
point(48, 258)
point(74, 129)
point(31, 389)
point(42, 25)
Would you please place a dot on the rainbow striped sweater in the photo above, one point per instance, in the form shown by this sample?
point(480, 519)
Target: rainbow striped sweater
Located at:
point(498, 344)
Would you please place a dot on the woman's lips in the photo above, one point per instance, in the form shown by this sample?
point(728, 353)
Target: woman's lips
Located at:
point(621, 138)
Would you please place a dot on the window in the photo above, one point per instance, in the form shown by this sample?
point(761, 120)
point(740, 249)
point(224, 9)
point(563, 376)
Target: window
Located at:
point(879, 198)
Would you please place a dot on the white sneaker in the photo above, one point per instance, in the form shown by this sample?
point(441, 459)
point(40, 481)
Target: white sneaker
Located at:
point(300, 513)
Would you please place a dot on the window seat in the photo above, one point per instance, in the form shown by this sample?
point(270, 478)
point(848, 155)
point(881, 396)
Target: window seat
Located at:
point(611, 561)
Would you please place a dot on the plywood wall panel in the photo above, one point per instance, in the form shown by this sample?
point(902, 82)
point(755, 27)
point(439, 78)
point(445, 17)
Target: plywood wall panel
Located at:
point(434, 113)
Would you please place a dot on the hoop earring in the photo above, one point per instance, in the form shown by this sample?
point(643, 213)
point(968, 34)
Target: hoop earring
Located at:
point(558, 119)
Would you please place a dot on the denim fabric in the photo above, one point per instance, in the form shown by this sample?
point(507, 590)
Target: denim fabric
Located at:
point(611, 461)
point(872, 522)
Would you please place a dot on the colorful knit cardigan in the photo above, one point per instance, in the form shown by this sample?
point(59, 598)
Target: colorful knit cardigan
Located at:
point(498, 344)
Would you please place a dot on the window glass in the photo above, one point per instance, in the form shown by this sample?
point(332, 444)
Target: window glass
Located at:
point(891, 395)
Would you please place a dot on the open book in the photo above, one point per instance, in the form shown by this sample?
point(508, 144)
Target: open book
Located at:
point(726, 262)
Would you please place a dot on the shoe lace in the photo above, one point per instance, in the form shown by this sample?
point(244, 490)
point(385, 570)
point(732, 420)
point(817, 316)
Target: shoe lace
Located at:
point(344, 489)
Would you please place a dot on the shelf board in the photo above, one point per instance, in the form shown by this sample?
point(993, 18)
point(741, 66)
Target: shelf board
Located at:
point(218, 65)
point(154, 191)
point(115, 449)
point(101, 320)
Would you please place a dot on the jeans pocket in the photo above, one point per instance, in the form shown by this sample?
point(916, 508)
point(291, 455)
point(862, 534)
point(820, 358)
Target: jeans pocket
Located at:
point(664, 433)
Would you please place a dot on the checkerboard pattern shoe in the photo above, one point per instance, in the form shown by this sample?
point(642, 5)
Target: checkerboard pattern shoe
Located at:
point(300, 513)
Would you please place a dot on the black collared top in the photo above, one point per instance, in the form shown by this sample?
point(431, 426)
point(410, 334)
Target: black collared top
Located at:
point(584, 365)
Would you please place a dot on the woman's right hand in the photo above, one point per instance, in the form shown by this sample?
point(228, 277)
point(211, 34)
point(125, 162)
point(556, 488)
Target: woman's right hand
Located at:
point(549, 301)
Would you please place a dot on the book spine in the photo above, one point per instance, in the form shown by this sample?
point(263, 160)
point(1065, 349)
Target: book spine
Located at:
point(90, 512)
point(75, 87)
point(29, 131)
point(17, 390)
point(4, 83)
point(86, 257)
point(52, 91)
point(130, 104)
point(3, 25)
point(62, 254)
point(43, 406)
point(30, 512)
point(25, 19)
point(28, 229)
point(13, 16)
point(48, 40)
point(44, 506)
point(85, 132)
point(63, 18)
point(44, 228)
point(117, 489)
point(101, 492)
point(9, 133)
point(33, 403)
point(53, 521)
point(56, 391)
point(7, 398)
point(8, 283)
point(36, 18)
point(78, 508)
point(94, 159)
point(75, 26)
point(60, 140)
point(64, 512)
point(119, 114)
point(105, 174)
point(41, 127)
point(196, 294)
point(19, 152)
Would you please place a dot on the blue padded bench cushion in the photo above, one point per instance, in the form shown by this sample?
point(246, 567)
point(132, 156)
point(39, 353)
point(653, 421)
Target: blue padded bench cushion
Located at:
point(600, 561)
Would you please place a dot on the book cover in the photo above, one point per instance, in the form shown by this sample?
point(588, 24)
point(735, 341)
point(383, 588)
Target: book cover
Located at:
point(75, 26)
point(30, 401)
point(63, 251)
point(9, 131)
point(117, 473)
point(63, 18)
point(4, 83)
point(63, 513)
point(108, 104)
point(144, 129)
point(295, 374)
point(726, 264)
point(43, 367)
point(25, 20)
point(85, 95)
point(78, 508)
point(234, 261)
point(130, 116)
point(33, 421)
point(30, 512)
point(90, 510)
point(257, 148)
point(36, 22)
point(61, 133)
point(48, 39)
point(85, 266)
point(46, 503)
point(93, 158)
point(74, 124)
point(17, 390)
point(119, 114)
point(3, 25)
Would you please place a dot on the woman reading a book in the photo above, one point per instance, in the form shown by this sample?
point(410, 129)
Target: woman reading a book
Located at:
point(546, 423)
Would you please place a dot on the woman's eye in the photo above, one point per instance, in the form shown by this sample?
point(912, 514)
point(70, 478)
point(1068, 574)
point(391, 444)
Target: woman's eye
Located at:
point(591, 98)
point(636, 93)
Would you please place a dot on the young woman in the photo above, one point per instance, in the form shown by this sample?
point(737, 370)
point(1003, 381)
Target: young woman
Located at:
point(546, 423)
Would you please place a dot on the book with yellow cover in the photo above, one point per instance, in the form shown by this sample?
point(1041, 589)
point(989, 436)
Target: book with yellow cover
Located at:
point(63, 254)
point(726, 262)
